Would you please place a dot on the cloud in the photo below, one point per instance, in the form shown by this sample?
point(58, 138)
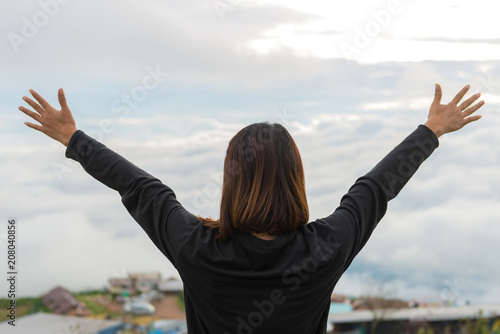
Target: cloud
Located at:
point(494, 41)
point(344, 115)
point(441, 226)
point(425, 247)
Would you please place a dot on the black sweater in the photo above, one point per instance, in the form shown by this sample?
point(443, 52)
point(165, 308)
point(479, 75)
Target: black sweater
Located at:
point(249, 285)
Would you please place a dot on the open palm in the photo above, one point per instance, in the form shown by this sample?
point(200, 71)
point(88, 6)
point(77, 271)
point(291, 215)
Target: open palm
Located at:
point(57, 124)
point(444, 118)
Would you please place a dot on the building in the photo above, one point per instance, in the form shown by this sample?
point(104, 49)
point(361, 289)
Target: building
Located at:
point(172, 285)
point(120, 285)
point(144, 282)
point(135, 283)
point(49, 323)
point(61, 301)
point(411, 319)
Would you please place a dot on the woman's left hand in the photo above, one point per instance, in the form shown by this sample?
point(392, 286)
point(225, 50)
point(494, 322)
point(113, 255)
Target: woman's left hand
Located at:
point(57, 124)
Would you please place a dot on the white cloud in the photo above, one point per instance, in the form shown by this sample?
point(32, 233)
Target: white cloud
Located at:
point(344, 116)
point(389, 31)
point(442, 224)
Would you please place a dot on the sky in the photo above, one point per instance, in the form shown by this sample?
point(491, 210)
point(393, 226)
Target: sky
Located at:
point(168, 83)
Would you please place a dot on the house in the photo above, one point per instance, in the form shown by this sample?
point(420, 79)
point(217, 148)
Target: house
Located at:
point(61, 301)
point(410, 320)
point(144, 282)
point(135, 282)
point(119, 285)
point(172, 285)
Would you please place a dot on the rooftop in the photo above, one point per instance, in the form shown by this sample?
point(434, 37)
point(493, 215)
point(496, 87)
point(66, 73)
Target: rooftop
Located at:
point(417, 314)
point(41, 322)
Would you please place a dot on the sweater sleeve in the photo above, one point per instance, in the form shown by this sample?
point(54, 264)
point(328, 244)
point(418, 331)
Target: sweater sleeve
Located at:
point(151, 203)
point(365, 203)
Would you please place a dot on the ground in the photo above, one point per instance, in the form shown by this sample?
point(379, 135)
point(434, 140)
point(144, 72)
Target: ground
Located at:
point(166, 308)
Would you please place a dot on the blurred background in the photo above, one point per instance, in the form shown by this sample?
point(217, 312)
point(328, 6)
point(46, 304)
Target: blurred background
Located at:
point(168, 83)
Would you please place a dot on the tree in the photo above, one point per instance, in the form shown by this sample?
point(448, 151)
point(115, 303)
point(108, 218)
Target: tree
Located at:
point(476, 325)
point(380, 302)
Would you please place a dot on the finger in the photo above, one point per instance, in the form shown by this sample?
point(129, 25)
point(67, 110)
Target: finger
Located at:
point(460, 95)
point(40, 100)
point(438, 94)
point(62, 99)
point(472, 109)
point(34, 126)
point(472, 119)
point(33, 104)
point(31, 114)
point(469, 101)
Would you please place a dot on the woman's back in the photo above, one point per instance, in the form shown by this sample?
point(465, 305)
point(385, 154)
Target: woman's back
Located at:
point(250, 285)
point(246, 284)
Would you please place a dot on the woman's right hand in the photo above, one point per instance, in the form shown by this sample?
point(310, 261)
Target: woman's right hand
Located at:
point(444, 118)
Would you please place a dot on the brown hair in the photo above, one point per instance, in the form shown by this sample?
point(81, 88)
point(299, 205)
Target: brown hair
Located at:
point(263, 188)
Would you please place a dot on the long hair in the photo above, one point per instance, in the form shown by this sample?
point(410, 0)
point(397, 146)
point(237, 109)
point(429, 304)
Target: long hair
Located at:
point(263, 188)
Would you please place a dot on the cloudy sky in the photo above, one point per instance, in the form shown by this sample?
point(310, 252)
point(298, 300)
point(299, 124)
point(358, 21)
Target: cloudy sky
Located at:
point(168, 83)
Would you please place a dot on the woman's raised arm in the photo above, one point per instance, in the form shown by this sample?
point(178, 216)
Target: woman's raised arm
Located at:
point(365, 203)
point(150, 202)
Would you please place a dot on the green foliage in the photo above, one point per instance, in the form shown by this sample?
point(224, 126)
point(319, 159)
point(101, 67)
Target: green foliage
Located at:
point(180, 301)
point(91, 303)
point(427, 330)
point(26, 306)
point(476, 325)
point(90, 298)
point(90, 292)
point(93, 300)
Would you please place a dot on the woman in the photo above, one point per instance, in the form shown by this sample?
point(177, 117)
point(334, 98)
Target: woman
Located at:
point(262, 267)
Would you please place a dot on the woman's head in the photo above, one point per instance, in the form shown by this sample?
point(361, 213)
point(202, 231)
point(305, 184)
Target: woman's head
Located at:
point(263, 186)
